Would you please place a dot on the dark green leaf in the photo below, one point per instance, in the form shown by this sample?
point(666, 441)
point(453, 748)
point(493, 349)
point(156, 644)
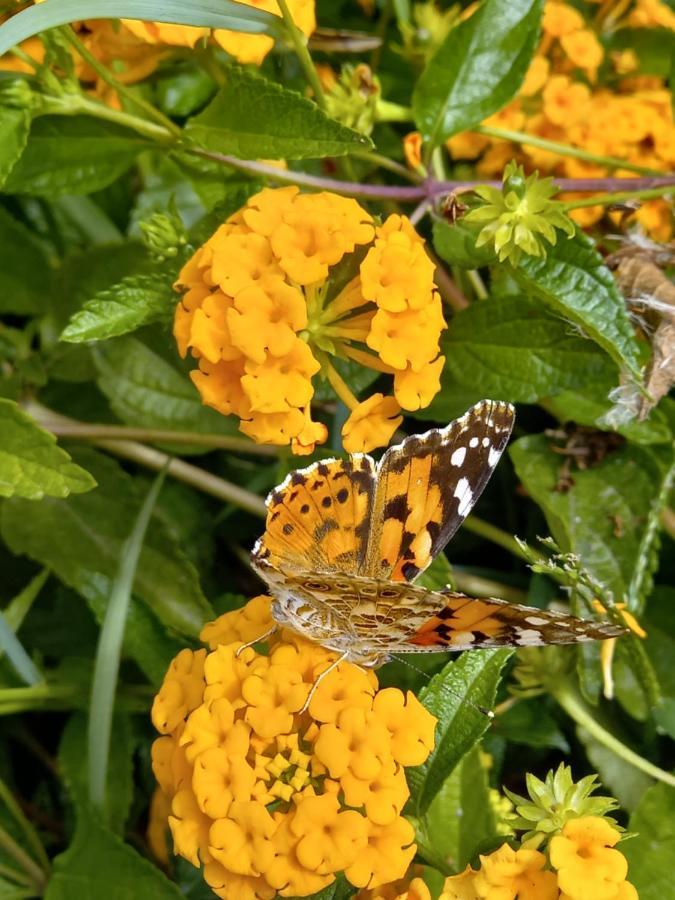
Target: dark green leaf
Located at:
point(530, 723)
point(477, 69)
point(25, 276)
point(513, 349)
point(134, 301)
point(623, 780)
point(650, 854)
point(590, 406)
point(456, 244)
point(604, 515)
point(460, 821)
point(73, 155)
point(654, 48)
point(207, 13)
point(251, 117)
point(73, 753)
point(14, 129)
point(31, 463)
point(82, 543)
point(146, 391)
point(575, 283)
point(98, 864)
point(453, 696)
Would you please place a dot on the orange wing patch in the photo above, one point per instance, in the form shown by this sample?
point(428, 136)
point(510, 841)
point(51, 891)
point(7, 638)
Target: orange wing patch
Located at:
point(464, 623)
point(427, 485)
point(318, 519)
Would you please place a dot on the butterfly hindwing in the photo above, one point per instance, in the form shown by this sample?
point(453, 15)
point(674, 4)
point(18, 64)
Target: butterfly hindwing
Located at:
point(318, 518)
point(427, 485)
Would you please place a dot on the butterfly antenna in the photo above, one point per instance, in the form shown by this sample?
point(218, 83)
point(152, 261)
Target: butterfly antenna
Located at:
point(483, 710)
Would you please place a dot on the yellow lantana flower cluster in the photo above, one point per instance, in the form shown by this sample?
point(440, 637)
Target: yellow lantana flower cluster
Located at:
point(245, 48)
point(629, 118)
point(272, 798)
point(581, 864)
point(290, 281)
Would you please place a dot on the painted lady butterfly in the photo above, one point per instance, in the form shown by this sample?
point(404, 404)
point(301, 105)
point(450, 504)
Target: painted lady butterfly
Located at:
point(345, 538)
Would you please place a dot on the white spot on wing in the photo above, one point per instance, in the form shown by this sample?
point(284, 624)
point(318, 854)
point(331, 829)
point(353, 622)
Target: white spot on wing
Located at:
point(464, 494)
point(486, 441)
point(493, 457)
point(528, 636)
point(536, 620)
point(473, 442)
point(458, 456)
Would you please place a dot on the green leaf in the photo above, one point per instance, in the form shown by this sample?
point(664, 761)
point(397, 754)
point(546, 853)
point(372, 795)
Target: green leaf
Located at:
point(530, 723)
point(146, 391)
point(654, 48)
point(82, 540)
point(459, 822)
point(575, 283)
point(25, 276)
point(31, 463)
point(453, 696)
point(513, 349)
point(625, 782)
point(590, 406)
point(72, 155)
point(456, 244)
point(207, 13)
point(134, 301)
point(477, 69)
point(14, 129)
point(253, 118)
point(604, 515)
point(98, 864)
point(650, 854)
point(120, 784)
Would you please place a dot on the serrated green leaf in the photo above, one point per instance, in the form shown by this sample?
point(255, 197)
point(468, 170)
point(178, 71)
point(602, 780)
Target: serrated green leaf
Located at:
point(25, 272)
point(148, 392)
point(32, 465)
point(513, 349)
point(81, 540)
point(251, 118)
point(575, 283)
point(73, 155)
point(651, 852)
point(98, 864)
point(207, 13)
point(603, 516)
point(134, 301)
point(477, 69)
point(456, 244)
point(453, 696)
point(460, 821)
point(14, 129)
point(72, 753)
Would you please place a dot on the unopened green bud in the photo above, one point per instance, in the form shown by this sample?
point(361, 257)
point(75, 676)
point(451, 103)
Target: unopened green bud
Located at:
point(16, 93)
point(163, 234)
point(353, 97)
point(427, 31)
point(521, 217)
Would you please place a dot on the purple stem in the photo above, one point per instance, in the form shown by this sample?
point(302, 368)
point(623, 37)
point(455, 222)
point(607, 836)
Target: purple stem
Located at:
point(429, 189)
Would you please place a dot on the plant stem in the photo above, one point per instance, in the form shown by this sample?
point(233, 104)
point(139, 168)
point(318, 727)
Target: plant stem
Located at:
point(15, 875)
point(522, 137)
point(620, 197)
point(492, 533)
point(300, 46)
point(37, 875)
point(29, 831)
point(385, 111)
point(106, 75)
point(568, 698)
point(20, 660)
point(385, 163)
point(109, 651)
point(447, 286)
point(73, 104)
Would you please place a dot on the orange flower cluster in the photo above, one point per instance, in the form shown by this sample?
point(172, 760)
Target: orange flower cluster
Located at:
point(582, 863)
point(629, 118)
point(290, 281)
point(272, 797)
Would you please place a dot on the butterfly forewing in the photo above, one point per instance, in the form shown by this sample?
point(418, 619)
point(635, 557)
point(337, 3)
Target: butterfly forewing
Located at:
point(427, 485)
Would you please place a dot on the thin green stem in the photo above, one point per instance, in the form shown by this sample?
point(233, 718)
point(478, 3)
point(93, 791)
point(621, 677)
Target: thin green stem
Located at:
point(20, 660)
point(38, 877)
point(389, 164)
point(521, 137)
point(386, 111)
point(31, 834)
point(492, 533)
point(109, 652)
point(304, 58)
point(568, 698)
point(339, 385)
point(619, 197)
point(16, 876)
point(74, 104)
point(106, 75)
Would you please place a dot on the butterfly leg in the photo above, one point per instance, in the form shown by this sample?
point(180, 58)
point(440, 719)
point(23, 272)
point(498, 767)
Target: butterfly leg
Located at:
point(320, 677)
point(257, 640)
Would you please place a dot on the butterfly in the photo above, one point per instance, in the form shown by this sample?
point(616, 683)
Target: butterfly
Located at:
point(345, 540)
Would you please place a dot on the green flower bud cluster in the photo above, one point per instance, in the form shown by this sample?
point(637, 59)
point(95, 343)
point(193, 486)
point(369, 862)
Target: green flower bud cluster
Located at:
point(521, 217)
point(352, 99)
